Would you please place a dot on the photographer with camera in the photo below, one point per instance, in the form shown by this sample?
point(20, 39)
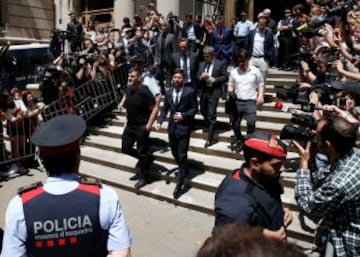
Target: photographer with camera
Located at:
point(320, 74)
point(138, 46)
point(336, 199)
point(48, 86)
point(175, 24)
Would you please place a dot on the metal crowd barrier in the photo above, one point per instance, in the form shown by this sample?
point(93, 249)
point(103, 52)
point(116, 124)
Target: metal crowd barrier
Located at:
point(88, 100)
point(16, 150)
point(92, 97)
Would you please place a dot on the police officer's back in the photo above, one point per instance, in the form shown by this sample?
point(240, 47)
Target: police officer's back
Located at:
point(68, 215)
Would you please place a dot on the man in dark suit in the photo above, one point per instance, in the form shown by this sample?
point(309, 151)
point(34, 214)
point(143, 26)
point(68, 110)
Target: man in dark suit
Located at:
point(192, 32)
point(186, 61)
point(212, 75)
point(182, 104)
point(222, 40)
point(165, 47)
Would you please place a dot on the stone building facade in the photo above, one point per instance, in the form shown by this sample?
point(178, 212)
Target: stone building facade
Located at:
point(24, 21)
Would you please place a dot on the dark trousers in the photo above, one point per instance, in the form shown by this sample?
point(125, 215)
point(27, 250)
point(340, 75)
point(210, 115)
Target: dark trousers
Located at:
point(208, 105)
point(162, 74)
point(284, 51)
point(141, 136)
point(179, 145)
point(247, 107)
point(242, 42)
point(192, 46)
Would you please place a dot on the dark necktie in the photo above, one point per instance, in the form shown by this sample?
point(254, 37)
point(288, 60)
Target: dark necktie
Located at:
point(207, 67)
point(177, 97)
point(185, 68)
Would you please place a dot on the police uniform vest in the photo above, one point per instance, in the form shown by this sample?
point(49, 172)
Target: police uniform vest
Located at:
point(239, 199)
point(64, 225)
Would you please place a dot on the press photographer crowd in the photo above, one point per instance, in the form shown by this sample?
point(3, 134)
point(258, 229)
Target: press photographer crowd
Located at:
point(95, 69)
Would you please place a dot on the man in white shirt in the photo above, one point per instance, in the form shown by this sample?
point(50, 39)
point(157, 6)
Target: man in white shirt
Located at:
point(242, 31)
point(246, 88)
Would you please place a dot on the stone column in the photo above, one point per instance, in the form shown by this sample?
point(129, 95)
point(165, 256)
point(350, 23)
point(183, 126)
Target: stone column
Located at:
point(229, 11)
point(123, 8)
point(251, 11)
point(61, 14)
point(165, 6)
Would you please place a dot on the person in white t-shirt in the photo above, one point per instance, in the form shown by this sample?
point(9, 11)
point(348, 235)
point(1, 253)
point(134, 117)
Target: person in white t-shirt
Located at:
point(246, 89)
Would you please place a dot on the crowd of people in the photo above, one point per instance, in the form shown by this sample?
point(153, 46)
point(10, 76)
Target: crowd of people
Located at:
point(195, 58)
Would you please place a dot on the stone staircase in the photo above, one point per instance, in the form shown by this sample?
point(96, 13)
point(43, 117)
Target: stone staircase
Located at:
point(102, 158)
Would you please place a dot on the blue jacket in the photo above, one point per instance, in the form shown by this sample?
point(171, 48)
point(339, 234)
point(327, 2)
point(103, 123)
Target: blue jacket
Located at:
point(268, 44)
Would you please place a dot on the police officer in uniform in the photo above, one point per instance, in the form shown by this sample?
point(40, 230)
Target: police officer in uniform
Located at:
point(68, 215)
point(251, 194)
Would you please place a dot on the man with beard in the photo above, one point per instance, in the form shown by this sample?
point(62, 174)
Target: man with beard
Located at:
point(141, 114)
point(336, 199)
point(251, 194)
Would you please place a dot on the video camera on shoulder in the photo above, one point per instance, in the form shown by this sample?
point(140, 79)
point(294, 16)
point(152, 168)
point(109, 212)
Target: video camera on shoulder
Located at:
point(61, 35)
point(309, 107)
point(302, 131)
point(294, 93)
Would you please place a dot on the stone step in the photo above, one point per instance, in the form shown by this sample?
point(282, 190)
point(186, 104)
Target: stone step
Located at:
point(280, 81)
point(200, 176)
point(277, 73)
point(266, 106)
point(223, 133)
point(198, 162)
point(194, 198)
point(223, 122)
point(275, 116)
point(110, 138)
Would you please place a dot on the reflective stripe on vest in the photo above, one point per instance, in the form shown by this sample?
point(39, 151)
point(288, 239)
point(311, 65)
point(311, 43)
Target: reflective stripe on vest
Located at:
point(64, 225)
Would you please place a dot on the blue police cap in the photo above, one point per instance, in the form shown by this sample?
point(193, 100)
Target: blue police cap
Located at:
point(59, 135)
point(266, 143)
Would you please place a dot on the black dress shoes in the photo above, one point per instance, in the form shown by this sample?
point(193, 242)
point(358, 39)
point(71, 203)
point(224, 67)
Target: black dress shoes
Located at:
point(135, 177)
point(209, 143)
point(141, 182)
point(177, 191)
point(237, 146)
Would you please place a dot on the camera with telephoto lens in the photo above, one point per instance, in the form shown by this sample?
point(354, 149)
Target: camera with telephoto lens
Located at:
point(314, 29)
point(309, 107)
point(155, 30)
point(293, 93)
point(302, 131)
point(61, 35)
